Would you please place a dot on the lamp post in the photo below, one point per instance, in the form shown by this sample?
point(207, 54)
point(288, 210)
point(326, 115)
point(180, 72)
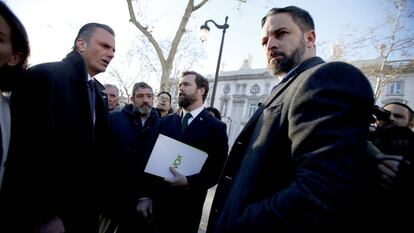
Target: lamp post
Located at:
point(204, 30)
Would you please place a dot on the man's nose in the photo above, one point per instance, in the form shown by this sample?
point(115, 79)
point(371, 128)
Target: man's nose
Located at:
point(272, 43)
point(110, 54)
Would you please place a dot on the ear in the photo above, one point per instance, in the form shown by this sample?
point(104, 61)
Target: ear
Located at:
point(202, 90)
point(310, 38)
point(131, 99)
point(81, 44)
point(411, 124)
point(15, 59)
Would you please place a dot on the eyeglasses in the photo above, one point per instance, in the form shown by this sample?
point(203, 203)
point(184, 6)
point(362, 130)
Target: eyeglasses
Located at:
point(164, 98)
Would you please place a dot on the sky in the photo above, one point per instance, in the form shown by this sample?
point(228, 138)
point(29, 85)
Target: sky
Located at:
point(53, 24)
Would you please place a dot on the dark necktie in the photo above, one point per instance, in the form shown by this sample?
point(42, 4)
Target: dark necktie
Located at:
point(184, 123)
point(91, 91)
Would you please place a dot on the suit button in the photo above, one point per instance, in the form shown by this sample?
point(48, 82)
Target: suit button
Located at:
point(239, 143)
point(228, 178)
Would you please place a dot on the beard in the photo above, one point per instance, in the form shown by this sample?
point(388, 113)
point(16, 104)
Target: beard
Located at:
point(186, 100)
point(142, 110)
point(283, 66)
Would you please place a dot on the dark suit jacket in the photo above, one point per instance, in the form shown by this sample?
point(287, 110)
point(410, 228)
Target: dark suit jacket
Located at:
point(56, 163)
point(294, 166)
point(180, 209)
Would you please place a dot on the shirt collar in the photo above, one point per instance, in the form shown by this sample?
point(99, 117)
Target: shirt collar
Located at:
point(195, 112)
point(287, 76)
point(90, 77)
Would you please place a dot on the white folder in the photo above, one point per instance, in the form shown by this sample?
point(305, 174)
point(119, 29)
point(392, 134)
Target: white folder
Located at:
point(168, 152)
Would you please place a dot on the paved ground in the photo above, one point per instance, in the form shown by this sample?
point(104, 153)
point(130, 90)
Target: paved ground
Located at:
point(206, 210)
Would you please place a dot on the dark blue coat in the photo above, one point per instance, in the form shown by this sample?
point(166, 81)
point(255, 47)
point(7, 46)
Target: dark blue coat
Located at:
point(131, 145)
point(179, 208)
point(295, 166)
point(57, 162)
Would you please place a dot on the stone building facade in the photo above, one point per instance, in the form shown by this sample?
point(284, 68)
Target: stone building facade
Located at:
point(239, 92)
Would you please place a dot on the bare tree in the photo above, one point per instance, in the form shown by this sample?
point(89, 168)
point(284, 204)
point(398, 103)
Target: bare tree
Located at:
point(392, 40)
point(337, 51)
point(398, 43)
point(166, 62)
point(133, 66)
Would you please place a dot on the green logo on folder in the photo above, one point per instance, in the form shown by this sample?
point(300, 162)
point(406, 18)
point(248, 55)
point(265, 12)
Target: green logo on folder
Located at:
point(177, 161)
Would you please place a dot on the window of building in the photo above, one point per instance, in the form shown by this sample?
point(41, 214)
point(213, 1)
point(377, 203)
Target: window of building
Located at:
point(244, 89)
point(251, 109)
point(396, 88)
point(238, 88)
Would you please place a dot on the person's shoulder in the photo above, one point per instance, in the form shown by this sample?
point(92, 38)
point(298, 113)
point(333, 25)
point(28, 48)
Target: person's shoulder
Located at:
point(117, 117)
point(43, 67)
point(339, 67)
point(336, 71)
point(39, 75)
point(212, 120)
point(169, 117)
point(117, 113)
point(48, 70)
point(338, 76)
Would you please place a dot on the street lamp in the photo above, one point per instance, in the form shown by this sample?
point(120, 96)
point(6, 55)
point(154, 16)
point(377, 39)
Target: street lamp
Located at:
point(204, 35)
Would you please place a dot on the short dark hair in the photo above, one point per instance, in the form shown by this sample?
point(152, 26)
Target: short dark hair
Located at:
point(140, 85)
point(301, 17)
point(411, 112)
point(200, 82)
point(215, 111)
point(88, 29)
point(165, 92)
point(19, 38)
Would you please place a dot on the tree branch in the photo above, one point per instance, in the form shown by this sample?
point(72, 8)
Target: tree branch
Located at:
point(199, 5)
point(145, 31)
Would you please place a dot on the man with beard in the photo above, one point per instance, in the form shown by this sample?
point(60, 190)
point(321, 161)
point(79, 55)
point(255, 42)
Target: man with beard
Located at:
point(177, 203)
point(295, 165)
point(393, 146)
point(134, 130)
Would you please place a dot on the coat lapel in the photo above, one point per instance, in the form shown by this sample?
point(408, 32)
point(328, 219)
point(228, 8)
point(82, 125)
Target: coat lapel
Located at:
point(199, 119)
point(279, 90)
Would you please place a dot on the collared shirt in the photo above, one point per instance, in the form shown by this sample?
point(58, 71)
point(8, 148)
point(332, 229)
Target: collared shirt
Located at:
point(90, 77)
point(92, 101)
point(194, 113)
point(284, 79)
point(144, 119)
point(5, 122)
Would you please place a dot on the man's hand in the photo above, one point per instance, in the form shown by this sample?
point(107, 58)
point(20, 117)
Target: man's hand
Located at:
point(389, 168)
point(53, 226)
point(178, 179)
point(144, 208)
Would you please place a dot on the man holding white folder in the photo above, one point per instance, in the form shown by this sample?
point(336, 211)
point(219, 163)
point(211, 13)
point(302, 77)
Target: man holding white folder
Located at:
point(176, 204)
